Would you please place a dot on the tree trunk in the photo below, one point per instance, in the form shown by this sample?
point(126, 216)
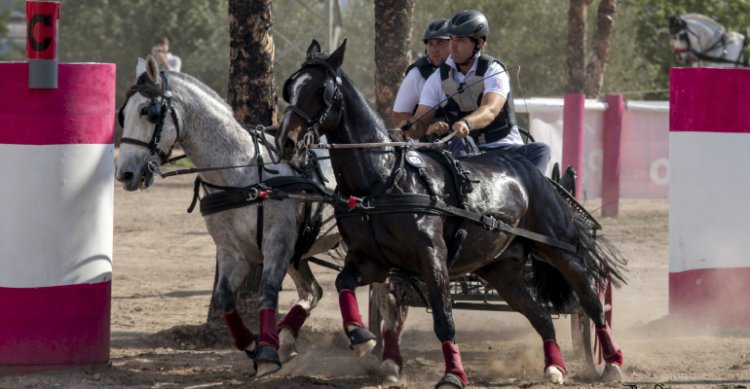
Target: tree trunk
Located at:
point(393, 31)
point(251, 96)
point(576, 45)
point(597, 65)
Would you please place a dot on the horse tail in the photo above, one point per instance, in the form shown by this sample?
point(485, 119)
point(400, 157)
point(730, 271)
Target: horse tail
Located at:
point(603, 261)
point(549, 286)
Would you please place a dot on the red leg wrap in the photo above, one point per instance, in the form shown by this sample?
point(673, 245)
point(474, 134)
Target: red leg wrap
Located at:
point(242, 336)
point(612, 352)
point(349, 309)
point(390, 348)
point(294, 319)
point(553, 356)
point(453, 363)
point(268, 333)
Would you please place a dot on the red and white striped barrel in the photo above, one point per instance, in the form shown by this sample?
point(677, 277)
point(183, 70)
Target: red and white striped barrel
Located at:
point(56, 216)
point(709, 195)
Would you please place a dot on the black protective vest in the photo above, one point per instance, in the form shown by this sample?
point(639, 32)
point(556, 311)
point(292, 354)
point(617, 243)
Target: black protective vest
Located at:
point(425, 68)
point(467, 97)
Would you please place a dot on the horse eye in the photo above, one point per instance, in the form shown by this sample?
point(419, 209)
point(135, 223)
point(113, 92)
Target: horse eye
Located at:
point(144, 111)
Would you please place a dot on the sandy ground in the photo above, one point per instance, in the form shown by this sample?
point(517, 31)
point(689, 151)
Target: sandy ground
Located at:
point(163, 273)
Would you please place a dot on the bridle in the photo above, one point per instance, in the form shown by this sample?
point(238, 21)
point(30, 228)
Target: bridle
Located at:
point(158, 108)
point(680, 30)
point(331, 92)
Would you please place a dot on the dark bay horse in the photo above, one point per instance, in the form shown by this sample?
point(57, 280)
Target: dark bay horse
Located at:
point(417, 216)
point(164, 109)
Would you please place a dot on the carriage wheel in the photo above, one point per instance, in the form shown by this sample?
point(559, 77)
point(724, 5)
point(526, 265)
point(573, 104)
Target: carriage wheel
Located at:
point(585, 342)
point(373, 322)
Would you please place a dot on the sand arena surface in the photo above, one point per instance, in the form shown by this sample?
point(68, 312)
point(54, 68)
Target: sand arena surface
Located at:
point(164, 269)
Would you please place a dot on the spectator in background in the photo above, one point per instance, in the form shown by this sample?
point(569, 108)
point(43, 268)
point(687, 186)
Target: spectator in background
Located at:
point(165, 59)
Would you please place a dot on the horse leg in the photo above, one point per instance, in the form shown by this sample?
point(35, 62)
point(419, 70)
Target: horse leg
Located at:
point(575, 272)
point(276, 258)
point(232, 271)
point(387, 298)
point(309, 292)
point(355, 273)
point(507, 276)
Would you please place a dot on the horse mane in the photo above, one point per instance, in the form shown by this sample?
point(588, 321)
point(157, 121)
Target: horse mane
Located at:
point(369, 113)
point(145, 87)
point(705, 22)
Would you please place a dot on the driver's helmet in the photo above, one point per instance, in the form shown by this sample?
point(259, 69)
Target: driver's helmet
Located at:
point(437, 29)
point(469, 22)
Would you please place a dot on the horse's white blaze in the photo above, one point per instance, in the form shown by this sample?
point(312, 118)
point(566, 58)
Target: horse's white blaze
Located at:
point(298, 84)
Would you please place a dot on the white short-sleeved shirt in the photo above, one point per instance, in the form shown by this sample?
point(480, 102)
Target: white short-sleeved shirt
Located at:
point(496, 81)
point(407, 97)
point(174, 61)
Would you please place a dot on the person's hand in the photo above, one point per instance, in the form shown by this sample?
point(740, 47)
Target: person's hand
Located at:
point(159, 54)
point(438, 128)
point(461, 129)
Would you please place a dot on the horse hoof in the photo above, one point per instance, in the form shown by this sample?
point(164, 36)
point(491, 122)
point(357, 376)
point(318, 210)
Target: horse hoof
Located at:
point(266, 360)
point(450, 381)
point(266, 368)
point(390, 371)
point(361, 341)
point(612, 373)
point(364, 349)
point(287, 348)
point(554, 375)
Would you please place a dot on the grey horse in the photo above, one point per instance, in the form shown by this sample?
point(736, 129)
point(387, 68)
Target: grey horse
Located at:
point(164, 109)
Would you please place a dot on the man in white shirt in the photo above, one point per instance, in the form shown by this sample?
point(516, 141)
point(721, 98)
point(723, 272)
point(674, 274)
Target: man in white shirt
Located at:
point(165, 59)
point(437, 49)
point(480, 103)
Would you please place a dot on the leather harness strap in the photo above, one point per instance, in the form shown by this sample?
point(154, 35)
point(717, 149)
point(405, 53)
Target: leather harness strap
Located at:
point(419, 203)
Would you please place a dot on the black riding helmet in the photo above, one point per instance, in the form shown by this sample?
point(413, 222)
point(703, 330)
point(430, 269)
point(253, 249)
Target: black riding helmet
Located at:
point(469, 22)
point(438, 29)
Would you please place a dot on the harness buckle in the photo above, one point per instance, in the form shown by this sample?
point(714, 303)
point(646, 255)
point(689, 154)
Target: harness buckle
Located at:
point(153, 167)
point(252, 195)
point(366, 203)
point(489, 222)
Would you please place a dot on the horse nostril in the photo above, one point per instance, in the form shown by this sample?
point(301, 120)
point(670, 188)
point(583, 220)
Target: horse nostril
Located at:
point(127, 176)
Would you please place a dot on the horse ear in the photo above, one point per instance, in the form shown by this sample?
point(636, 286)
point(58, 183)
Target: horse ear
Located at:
point(314, 48)
point(140, 67)
point(337, 57)
point(152, 70)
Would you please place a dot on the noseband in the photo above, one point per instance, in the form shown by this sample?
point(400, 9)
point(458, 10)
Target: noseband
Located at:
point(331, 94)
point(157, 113)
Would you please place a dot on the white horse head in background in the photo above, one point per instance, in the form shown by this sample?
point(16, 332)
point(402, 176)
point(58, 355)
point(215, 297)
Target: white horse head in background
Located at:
point(698, 40)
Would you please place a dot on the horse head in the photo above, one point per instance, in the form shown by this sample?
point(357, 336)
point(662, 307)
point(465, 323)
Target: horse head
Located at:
point(315, 99)
point(678, 29)
point(150, 127)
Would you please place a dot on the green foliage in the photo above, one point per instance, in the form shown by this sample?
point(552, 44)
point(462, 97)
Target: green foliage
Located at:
point(529, 34)
point(121, 31)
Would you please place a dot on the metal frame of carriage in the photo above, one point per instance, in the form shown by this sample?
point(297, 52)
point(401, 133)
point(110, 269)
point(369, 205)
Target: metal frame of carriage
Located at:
point(471, 292)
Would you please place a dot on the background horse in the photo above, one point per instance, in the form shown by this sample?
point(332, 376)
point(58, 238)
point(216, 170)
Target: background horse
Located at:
point(168, 108)
point(405, 215)
point(698, 40)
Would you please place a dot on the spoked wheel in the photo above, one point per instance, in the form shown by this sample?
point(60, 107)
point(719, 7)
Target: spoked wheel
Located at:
point(585, 342)
point(374, 322)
